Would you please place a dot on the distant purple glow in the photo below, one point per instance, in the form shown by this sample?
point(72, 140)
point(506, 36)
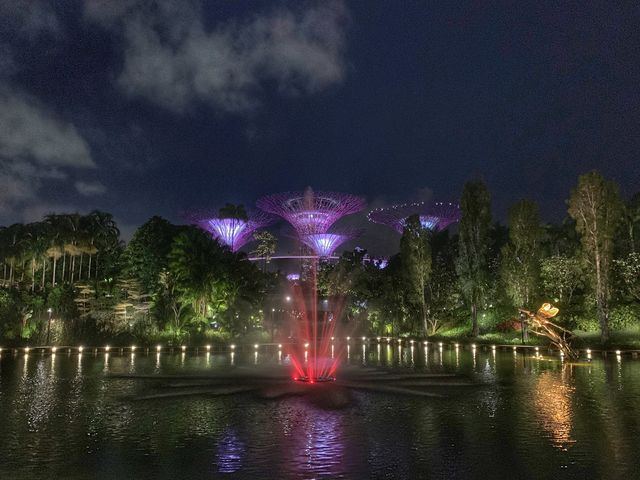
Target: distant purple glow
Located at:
point(232, 232)
point(324, 244)
point(310, 212)
point(436, 216)
point(293, 277)
point(381, 263)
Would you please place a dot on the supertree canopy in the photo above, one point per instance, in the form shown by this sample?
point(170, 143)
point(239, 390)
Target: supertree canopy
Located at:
point(233, 232)
point(324, 244)
point(433, 216)
point(310, 212)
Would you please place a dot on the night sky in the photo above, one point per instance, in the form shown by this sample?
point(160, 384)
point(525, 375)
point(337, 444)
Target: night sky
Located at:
point(142, 108)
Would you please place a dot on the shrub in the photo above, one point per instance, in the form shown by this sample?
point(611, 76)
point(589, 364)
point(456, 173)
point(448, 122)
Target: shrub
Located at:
point(624, 317)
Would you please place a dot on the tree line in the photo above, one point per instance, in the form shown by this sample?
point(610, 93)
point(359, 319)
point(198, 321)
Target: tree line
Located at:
point(173, 283)
point(473, 282)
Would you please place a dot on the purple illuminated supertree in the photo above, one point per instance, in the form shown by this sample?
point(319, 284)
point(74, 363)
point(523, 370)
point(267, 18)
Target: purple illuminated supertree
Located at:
point(433, 216)
point(310, 212)
point(230, 231)
point(324, 244)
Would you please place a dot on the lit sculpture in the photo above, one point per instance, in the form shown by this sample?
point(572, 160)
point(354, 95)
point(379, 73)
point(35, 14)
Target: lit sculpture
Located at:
point(232, 232)
point(310, 212)
point(540, 324)
point(433, 216)
point(324, 244)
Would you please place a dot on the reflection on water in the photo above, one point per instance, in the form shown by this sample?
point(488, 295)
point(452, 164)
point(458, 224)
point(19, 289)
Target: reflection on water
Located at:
point(62, 417)
point(229, 453)
point(553, 404)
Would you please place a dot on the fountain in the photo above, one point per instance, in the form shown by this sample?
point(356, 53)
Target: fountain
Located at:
point(317, 363)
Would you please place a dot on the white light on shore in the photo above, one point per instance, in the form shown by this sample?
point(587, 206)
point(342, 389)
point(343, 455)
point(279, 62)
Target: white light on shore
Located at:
point(306, 345)
point(133, 348)
point(80, 349)
point(208, 348)
point(107, 348)
point(588, 351)
point(233, 347)
point(26, 349)
point(256, 346)
point(618, 352)
point(279, 346)
point(158, 348)
point(53, 349)
point(184, 348)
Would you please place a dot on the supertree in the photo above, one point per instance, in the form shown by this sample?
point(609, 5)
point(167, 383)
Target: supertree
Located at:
point(433, 216)
point(324, 244)
point(309, 212)
point(231, 231)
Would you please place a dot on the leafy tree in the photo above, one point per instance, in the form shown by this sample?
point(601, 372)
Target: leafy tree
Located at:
point(415, 254)
point(147, 252)
point(442, 296)
point(561, 277)
point(521, 256)
point(267, 245)
point(196, 265)
point(629, 272)
point(472, 265)
point(632, 222)
point(596, 207)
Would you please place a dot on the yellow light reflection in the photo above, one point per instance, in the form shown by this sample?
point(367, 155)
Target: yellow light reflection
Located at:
point(552, 400)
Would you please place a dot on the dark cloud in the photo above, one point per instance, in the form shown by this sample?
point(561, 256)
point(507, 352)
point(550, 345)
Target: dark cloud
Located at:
point(173, 60)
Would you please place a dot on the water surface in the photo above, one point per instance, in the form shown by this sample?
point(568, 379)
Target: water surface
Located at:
point(62, 416)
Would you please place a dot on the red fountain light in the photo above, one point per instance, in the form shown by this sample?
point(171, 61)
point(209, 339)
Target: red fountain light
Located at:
point(315, 360)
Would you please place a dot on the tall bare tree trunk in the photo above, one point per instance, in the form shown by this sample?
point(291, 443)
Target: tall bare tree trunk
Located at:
point(44, 269)
point(53, 273)
point(80, 268)
point(474, 319)
point(33, 274)
point(64, 266)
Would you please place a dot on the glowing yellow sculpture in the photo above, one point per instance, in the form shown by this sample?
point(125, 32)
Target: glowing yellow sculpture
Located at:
point(540, 325)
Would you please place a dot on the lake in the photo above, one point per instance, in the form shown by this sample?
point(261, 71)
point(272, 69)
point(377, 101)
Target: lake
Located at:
point(529, 416)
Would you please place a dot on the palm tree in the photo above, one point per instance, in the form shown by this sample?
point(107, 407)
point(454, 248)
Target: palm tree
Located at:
point(103, 233)
point(55, 226)
point(14, 247)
